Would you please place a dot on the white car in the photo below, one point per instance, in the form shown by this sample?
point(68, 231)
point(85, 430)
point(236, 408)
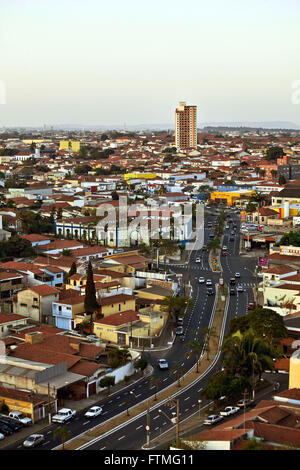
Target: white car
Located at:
point(209, 282)
point(212, 419)
point(237, 275)
point(1, 436)
point(63, 415)
point(93, 412)
point(162, 364)
point(198, 260)
point(201, 280)
point(17, 415)
point(229, 410)
point(240, 288)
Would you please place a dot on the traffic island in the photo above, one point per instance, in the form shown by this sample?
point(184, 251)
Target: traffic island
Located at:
point(182, 381)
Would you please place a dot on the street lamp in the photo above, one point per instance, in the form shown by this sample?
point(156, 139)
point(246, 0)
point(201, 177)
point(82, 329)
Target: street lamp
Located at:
point(199, 401)
point(148, 420)
point(175, 420)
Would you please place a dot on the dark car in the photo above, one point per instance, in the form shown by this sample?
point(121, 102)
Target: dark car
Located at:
point(232, 281)
point(6, 430)
point(179, 330)
point(232, 292)
point(210, 291)
point(11, 424)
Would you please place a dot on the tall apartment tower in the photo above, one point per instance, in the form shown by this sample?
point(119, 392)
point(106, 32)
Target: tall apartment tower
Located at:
point(185, 126)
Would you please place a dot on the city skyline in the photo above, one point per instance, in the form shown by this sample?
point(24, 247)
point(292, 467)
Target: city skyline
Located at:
point(93, 64)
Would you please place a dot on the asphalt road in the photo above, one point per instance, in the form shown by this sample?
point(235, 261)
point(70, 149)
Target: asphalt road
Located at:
point(133, 434)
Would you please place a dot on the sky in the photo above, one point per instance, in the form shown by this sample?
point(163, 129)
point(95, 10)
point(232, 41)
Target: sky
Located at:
point(130, 62)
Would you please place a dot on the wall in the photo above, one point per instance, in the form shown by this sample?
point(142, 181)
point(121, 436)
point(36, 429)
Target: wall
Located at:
point(121, 372)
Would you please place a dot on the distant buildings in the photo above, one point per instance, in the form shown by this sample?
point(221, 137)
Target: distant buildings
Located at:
point(185, 126)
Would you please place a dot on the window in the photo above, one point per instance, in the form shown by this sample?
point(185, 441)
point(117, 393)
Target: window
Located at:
point(23, 305)
point(35, 299)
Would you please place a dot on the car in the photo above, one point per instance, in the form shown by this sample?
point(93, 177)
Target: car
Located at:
point(237, 275)
point(232, 292)
point(6, 430)
point(33, 440)
point(14, 425)
point(240, 288)
point(63, 415)
point(204, 248)
point(230, 410)
point(227, 227)
point(224, 248)
point(17, 415)
point(244, 403)
point(201, 280)
point(197, 260)
point(179, 330)
point(162, 364)
point(179, 321)
point(224, 253)
point(210, 291)
point(232, 281)
point(209, 282)
point(221, 281)
point(93, 412)
point(231, 239)
point(212, 419)
point(250, 305)
point(211, 235)
point(1, 436)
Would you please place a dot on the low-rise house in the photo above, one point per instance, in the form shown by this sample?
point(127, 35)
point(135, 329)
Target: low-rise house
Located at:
point(36, 302)
point(65, 310)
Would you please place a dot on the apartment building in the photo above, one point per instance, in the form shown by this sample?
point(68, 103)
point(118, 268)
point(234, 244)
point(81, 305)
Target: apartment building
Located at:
point(185, 126)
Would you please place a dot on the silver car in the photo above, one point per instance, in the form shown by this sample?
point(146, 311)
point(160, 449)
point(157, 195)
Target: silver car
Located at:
point(212, 419)
point(33, 440)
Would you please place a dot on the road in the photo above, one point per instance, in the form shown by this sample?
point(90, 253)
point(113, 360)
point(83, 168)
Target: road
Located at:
point(133, 434)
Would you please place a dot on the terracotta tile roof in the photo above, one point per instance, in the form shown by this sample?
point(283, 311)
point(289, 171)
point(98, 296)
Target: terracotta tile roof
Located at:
point(277, 434)
point(85, 368)
point(39, 353)
point(10, 317)
point(118, 319)
point(113, 299)
point(44, 289)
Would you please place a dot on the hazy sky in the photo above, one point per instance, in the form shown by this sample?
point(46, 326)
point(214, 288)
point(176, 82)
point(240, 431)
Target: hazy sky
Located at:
point(98, 62)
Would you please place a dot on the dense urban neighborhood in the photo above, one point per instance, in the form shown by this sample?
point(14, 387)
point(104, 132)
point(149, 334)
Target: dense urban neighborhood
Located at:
point(150, 288)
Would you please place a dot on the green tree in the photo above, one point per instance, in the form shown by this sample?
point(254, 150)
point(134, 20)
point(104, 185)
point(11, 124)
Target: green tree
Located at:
point(194, 348)
point(63, 433)
point(176, 306)
point(281, 180)
point(90, 300)
point(107, 382)
point(274, 152)
point(140, 364)
point(155, 381)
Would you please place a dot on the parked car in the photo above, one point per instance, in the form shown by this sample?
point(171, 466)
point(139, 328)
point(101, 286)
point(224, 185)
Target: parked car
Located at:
point(212, 419)
point(201, 280)
point(6, 430)
point(230, 410)
point(1, 436)
point(14, 425)
point(93, 412)
point(197, 260)
point(162, 364)
point(63, 415)
point(179, 330)
point(246, 402)
point(20, 417)
point(33, 440)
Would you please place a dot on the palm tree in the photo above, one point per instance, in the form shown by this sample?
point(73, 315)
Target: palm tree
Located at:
point(63, 433)
point(208, 334)
point(177, 370)
point(155, 381)
point(176, 306)
point(195, 347)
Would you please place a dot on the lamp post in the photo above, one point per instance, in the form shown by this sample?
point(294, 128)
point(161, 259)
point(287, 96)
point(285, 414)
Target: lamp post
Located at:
point(173, 402)
point(199, 402)
point(147, 419)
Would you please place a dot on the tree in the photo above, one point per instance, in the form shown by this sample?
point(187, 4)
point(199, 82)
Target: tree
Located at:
point(176, 306)
point(118, 357)
point(281, 180)
point(194, 347)
point(254, 444)
point(178, 372)
point(208, 334)
point(63, 433)
point(90, 301)
point(140, 364)
point(107, 382)
point(155, 381)
point(274, 152)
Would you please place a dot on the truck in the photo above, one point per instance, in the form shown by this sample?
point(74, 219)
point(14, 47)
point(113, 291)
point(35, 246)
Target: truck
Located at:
point(18, 416)
point(63, 415)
